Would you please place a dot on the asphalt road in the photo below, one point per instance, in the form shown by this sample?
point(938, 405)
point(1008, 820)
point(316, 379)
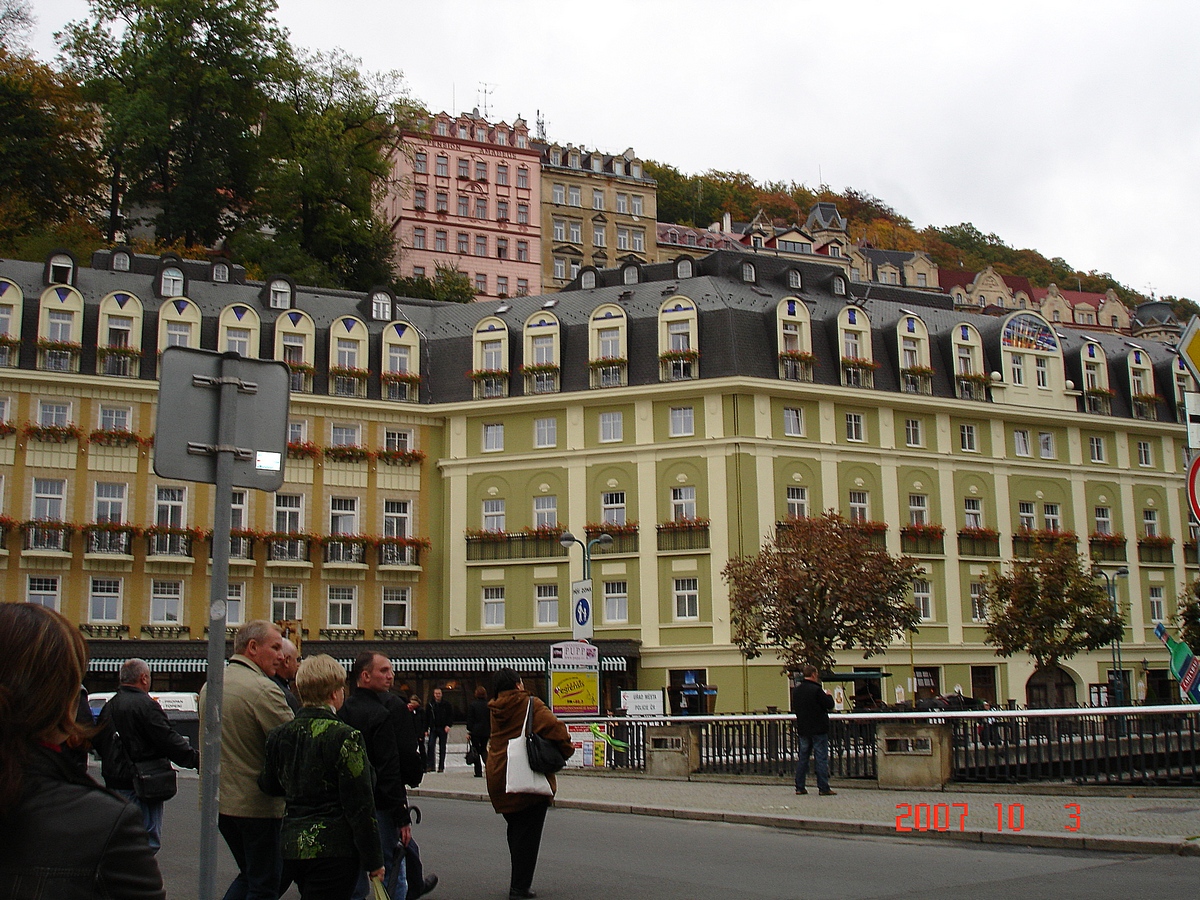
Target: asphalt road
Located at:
point(588, 856)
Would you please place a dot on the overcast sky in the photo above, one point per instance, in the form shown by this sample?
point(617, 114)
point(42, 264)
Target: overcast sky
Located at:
point(1068, 127)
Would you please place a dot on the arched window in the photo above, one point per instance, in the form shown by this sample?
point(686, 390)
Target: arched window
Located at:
point(239, 331)
point(381, 306)
point(587, 280)
point(678, 353)
point(119, 336)
point(348, 357)
point(172, 282)
point(748, 274)
point(629, 274)
point(401, 374)
point(490, 354)
point(683, 268)
point(839, 285)
point(295, 342)
point(607, 347)
point(62, 269)
point(541, 353)
point(793, 279)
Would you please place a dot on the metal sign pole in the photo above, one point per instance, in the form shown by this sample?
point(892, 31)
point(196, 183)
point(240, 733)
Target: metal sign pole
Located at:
point(222, 521)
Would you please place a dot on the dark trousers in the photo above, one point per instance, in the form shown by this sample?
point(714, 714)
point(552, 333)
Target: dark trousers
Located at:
point(254, 844)
point(324, 878)
point(524, 841)
point(438, 736)
point(480, 747)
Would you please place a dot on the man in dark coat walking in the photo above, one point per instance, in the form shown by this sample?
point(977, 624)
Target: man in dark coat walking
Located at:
point(439, 716)
point(811, 705)
point(145, 734)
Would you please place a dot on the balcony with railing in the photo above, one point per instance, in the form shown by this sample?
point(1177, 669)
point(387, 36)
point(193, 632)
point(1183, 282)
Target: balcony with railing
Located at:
point(58, 356)
point(973, 541)
point(540, 378)
point(300, 377)
point(1145, 406)
point(916, 380)
point(490, 383)
point(170, 541)
point(796, 365)
point(108, 539)
point(487, 545)
point(401, 552)
point(9, 350)
point(1098, 401)
point(1107, 547)
point(345, 550)
point(1032, 542)
point(971, 387)
point(683, 534)
point(608, 372)
point(345, 381)
point(1157, 549)
point(679, 365)
point(624, 538)
point(288, 548)
point(121, 362)
point(401, 386)
point(923, 540)
point(857, 372)
point(47, 536)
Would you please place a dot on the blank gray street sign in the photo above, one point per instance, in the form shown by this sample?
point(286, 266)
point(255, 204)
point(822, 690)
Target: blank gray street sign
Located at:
point(185, 439)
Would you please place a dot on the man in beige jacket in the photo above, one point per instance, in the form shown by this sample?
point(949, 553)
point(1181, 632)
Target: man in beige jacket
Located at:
point(253, 704)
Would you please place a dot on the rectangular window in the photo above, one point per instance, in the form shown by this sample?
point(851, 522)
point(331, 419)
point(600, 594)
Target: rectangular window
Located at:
point(104, 601)
point(287, 513)
point(421, 163)
point(972, 512)
point(912, 432)
point(48, 499)
point(560, 230)
point(793, 421)
point(493, 515)
point(110, 502)
point(978, 604)
point(347, 353)
point(501, 174)
point(502, 249)
point(923, 598)
point(493, 436)
point(522, 213)
point(639, 240)
point(612, 427)
point(166, 602)
point(464, 168)
point(1156, 604)
point(683, 503)
point(54, 414)
point(480, 208)
point(419, 199)
point(1096, 449)
point(616, 601)
point(612, 508)
point(797, 502)
point(285, 602)
point(576, 232)
point(464, 242)
point(966, 438)
point(396, 518)
point(502, 285)
point(1103, 520)
point(687, 598)
point(179, 334)
point(1018, 368)
point(396, 613)
point(237, 340)
point(522, 177)
point(443, 203)
point(854, 427)
point(558, 194)
point(343, 515)
point(344, 435)
point(1051, 518)
point(481, 170)
point(560, 267)
point(1150, 522)
point(1046, 443)
point(547, 604)
point(481, 245)
point(235, 606)
point(464, 206)
point(635, 205)
point(597, 199)
point(443, 167)
point(1042, 371)
point(918, 509)
point(114, 418)
point(622, 238)
point(168, 506)
point(545, 432)
point(59, 324)
point(341, 606)
point(43, 590)
point(1021, 442)
point(860, 509)
point(1145, 454)
point(493, 355)
point(522, 287)
point(682, 422)
point(545, 512)
point(522, 251)
point(574, 197)
point(623, 203)
point(609, 341)
point(493, 607)
point(1026, 516)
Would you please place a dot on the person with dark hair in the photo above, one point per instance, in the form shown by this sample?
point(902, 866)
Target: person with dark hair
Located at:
point(811, 705)
point(134, 729)
point(479, 727)
point(253, 704)
point(319, 764)
point(525, 814)
point(420, 725)
point(439, 716)
point(64, 836)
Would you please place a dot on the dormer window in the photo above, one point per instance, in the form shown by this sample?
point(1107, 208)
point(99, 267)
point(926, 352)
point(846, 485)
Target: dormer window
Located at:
point(597, 164)
point(839, 286)
point(120, 261)
point(281, 295)
point(62, 268)
point(635, 169)
point(618, 167)
point(794, 281)
point(172, 282)
point(556, 157)
point(381, 306)
point(587, 280)
point(748, 272)
point(574, 160)
point(684, 268)
point(220, 273)
point(629, 275)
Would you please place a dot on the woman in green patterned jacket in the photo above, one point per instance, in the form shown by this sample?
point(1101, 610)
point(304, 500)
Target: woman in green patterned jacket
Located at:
point(319, 765)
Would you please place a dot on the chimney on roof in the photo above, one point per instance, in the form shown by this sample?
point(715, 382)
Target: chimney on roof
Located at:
point(726, 223)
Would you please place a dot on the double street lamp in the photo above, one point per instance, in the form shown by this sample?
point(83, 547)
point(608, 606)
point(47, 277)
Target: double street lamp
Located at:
point(1110, 582)
point(604, 540)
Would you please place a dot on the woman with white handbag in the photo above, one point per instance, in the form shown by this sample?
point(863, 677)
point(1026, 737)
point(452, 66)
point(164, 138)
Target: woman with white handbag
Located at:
point(519, 793)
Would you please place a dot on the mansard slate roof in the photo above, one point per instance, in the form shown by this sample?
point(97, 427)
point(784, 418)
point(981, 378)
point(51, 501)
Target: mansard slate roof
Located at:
point(736, 324)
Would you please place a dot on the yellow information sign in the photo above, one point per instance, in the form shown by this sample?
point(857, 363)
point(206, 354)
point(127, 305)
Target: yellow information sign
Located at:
point(575, 693)
point(1189, 347)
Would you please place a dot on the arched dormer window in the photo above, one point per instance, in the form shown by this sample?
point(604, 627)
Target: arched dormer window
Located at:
point(794, 281)
point(239, 331)
point(608, 356)
point(587, 278)
point(970, 378)
point(839, 285)
point(401, 374)
point(630, 274)
point(220, 273)
point(11, 305)
point(120, 261)
point(381, 305)
point(295, 342)
point(490, 354)
point(1141, 385)
point(280, 293)
point(858, 358)
point(119, 336)
point(916, 371)
point(171, 282)
point(794, 339)
point(348, 357)
point(541, 353)
point(684, 267)
point(178, 324)
point(748, 274)
point(1097, 395)
point(678, 354)
point(60, 329)
point(1032, 362)
point(60, 269)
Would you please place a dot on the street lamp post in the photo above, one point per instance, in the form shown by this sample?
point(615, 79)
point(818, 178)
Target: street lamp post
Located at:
point(1110, 582)
point(581, 591)
point(567, 539)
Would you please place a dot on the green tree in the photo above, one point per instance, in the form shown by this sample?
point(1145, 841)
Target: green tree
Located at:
point(449, 284)
point(48, 164)
point(331, 132)
point(184, 87)
point(1188, 618)
point(818, 587)
point(1050, 606)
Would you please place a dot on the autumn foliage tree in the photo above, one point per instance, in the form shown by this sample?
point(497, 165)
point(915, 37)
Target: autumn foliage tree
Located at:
point(1188, 617)
point(818, 587)
point(1050, 606)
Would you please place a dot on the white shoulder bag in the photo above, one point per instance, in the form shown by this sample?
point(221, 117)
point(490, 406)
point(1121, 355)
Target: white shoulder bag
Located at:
point(519, 778)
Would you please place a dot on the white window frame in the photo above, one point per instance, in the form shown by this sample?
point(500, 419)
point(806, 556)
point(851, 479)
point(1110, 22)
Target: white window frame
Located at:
point(1157, 603)
point(686, 596)
point(793, 421)
point(967, 438)
point(546, 600)
point(855, 431)
point(166, 601)
point(1145, 454)
point(912, 433)
point(797, 502)
point(111, 590)
point(286, 602)
point(923, 599)
point(612, 427)
point(494, 515)
point(683, 422)
point(859, 506)
point(616, 602)
point(492, 613)
point(1096, 448)
point(493, 437)
point(545, 511)
point(396, 607)
point(44, 590)
point(612, 508)
point(545, 432)
point(972, 512)
point(683, 503)
point(1021, 445)
point(342, 599)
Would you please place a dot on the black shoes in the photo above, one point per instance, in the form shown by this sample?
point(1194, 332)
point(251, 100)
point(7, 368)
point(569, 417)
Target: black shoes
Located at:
point(802, 791)
point(521, 895)
point(431, 881)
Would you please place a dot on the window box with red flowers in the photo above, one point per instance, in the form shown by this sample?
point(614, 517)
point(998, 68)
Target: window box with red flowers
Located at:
point(1156, 548)
point(9, 342)
point(400, 457)
point(288, 546)
point(859, 362)
point(58, 346)
point(1101, 392)
point(113, 437)
point(973, 541)
point(487, 374)
point(401, 551)
point(110, 537)
point(345, 548)
point(688, 533)
point(1145, 406)
point(684, 356)
point(172, 540)
point(48, 534)
point(484, 534)
point(1028, 541)
point(1107, 547)
point(347, 372)
point(876, 532)
point(7, 525)
point(7, 428)
point(303, 368)
point(923, 538)
point(302, 450)
point(1148, 399)
point(53, 434)
point(625, 536)
point(347, 453)
point(798, 356)
point(400, 378)
point(605, 362)
point(539, 369)
point(119, 352)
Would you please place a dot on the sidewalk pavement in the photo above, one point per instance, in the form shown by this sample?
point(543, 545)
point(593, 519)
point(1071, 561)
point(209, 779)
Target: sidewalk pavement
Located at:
point(1061, 816)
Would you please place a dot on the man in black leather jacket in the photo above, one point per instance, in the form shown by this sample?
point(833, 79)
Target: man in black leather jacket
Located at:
point(145, 734)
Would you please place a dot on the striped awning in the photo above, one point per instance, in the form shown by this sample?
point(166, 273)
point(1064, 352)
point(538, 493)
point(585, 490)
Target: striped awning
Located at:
point(156, 665)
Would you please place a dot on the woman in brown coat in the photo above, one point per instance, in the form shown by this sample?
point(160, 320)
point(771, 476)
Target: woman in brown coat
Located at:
point(524, 813)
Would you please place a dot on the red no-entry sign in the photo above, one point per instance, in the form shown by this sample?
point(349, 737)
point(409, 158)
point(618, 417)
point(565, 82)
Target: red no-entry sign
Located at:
point(1192, 477)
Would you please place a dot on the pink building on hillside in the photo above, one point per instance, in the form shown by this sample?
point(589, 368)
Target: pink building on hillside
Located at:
point(467, 195)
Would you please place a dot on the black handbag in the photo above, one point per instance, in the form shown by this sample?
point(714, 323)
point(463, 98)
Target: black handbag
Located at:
point(154, 780)
point(543, 755)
